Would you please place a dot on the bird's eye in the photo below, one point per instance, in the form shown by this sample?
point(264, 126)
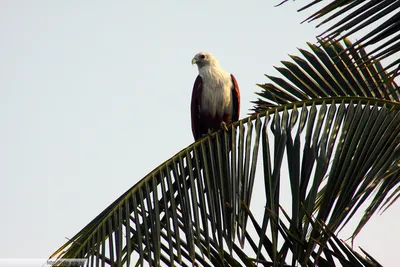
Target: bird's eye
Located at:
point(202, 56)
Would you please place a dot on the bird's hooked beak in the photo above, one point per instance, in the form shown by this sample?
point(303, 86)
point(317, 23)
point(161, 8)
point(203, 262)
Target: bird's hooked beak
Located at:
point(194, 61)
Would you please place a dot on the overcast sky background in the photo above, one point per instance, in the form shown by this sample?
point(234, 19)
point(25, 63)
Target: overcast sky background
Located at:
point(96, 94)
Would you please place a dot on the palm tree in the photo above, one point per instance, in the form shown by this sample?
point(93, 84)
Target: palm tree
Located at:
point(330, 126)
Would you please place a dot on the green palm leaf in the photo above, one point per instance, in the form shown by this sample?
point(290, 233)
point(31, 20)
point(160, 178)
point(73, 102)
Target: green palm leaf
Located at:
point(347, 17)
point(335, 129)
point(179, 205)
point(330, 72)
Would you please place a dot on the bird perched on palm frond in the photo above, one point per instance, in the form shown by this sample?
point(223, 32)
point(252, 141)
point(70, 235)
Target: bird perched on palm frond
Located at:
point(215, 97)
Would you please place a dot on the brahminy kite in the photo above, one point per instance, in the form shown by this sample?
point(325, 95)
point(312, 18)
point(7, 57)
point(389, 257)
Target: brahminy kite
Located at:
point(215, 96)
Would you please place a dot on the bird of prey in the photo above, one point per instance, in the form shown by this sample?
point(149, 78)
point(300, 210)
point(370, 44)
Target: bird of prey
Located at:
point(215, 96)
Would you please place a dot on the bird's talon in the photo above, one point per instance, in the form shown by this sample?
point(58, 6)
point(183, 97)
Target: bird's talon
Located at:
point(224, 126)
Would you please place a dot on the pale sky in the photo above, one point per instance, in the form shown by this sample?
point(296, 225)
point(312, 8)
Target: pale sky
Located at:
point(96, 94)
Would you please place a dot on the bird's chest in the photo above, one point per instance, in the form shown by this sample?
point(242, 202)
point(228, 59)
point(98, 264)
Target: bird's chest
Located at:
point(216, 96)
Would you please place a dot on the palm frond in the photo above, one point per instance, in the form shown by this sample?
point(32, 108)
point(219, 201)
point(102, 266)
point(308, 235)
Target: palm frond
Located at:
point(181, 213)
point(349, 152)
point(347, 17)
point(337, 132)
point(330, 72)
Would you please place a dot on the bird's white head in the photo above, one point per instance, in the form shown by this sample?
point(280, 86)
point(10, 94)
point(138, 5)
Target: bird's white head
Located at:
point(204, 59)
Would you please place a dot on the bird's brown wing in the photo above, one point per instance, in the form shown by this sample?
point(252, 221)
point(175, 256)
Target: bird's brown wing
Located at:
point(236, 99)
point(195, 107)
